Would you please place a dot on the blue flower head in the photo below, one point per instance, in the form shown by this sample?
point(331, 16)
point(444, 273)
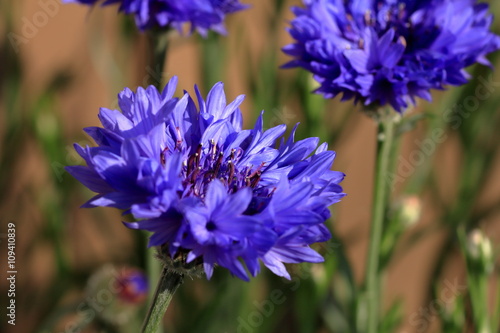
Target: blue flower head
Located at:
point(203, 15)
point(211, 192)
point(389, 52)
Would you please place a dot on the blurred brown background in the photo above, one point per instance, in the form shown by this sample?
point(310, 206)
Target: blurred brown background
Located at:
point(86, 48)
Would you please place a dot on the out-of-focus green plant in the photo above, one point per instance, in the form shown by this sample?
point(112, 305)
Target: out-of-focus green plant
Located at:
point(480, 260)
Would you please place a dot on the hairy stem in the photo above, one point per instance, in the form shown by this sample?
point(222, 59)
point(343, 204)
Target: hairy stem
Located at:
point(168, 284)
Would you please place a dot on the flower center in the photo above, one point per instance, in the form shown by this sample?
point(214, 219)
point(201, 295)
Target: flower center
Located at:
point(211, 226)
point(205, 165)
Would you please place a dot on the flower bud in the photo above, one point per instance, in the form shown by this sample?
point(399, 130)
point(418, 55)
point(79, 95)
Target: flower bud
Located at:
point(480, 250)
point(410, 210)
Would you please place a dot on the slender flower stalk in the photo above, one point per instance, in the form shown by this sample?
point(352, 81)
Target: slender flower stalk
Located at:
point(385, 144)
point(155, 270)
point(158, 45)
point(158, 275)
point(167, 285)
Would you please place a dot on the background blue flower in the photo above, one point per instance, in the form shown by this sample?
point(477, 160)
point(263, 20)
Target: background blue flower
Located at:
point(203, 15)
point(207, 188)
point(389, 52)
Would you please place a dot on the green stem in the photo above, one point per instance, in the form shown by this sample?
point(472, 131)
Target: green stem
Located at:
point(158, 48)
point(154, 270)
point(482, 313)
point(168, 284)
point(495, 318)
point(478, 291)
point(156, 58)
point(381, 190)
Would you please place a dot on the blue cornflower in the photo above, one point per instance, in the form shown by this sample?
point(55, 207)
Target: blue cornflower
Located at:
point(209, 191)
point(389, 52)
point(203, 15)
